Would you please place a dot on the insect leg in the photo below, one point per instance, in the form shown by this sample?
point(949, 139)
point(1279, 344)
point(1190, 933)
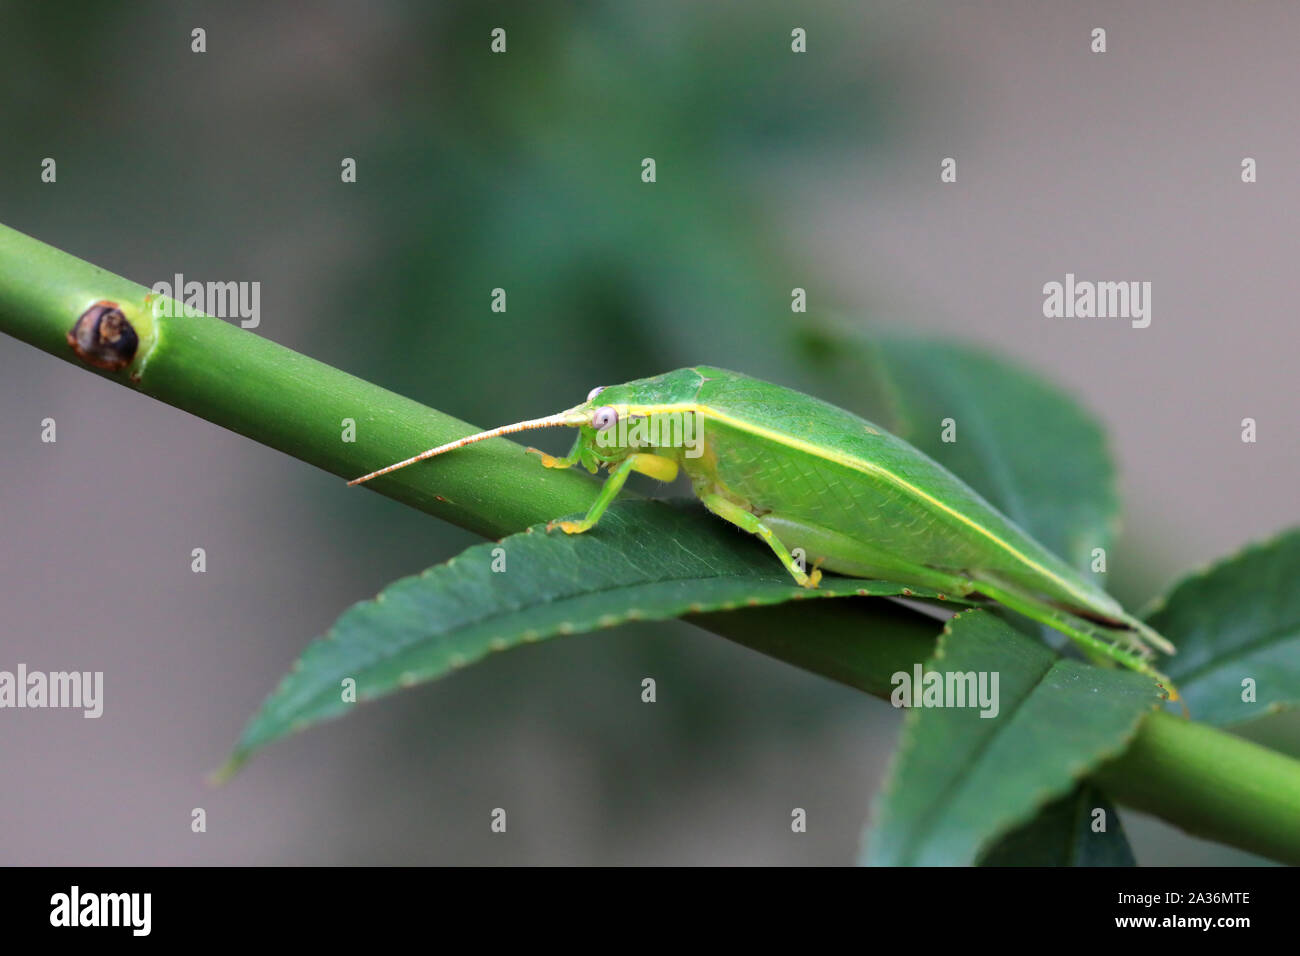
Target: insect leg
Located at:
point(1091, 638)
point(568, 461)
point(1149, 634)
point(656, 466)
point(750, 522)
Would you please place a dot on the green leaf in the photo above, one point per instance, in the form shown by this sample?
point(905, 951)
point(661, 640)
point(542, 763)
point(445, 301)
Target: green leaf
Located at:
point(645, 561)
point(961, 781)
point(1062, 835)
point(1236, 620)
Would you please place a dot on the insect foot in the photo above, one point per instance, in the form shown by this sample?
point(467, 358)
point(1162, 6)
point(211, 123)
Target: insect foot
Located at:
point(548, 461)
point(568, 527)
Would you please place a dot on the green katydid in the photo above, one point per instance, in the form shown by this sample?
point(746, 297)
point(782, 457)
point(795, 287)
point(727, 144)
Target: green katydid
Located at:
point(806, 475)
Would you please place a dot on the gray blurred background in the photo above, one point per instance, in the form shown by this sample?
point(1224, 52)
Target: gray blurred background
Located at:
point(775, 170)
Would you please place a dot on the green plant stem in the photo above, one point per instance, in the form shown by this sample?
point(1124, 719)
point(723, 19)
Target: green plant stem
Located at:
point(1199, 778)
point(1212, 784)
point(281, 398)
point(836, 641)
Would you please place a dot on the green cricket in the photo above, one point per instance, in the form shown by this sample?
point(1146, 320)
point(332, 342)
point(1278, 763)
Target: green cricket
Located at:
point(812, 479)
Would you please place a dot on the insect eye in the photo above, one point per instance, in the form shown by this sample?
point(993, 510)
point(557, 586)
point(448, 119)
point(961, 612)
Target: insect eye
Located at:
point(595, 391)
point(603, 417)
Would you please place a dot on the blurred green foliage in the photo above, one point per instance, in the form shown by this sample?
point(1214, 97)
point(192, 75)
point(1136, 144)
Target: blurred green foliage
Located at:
point(522, 172)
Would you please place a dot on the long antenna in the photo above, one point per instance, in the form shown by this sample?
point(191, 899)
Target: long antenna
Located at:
point(547, 422)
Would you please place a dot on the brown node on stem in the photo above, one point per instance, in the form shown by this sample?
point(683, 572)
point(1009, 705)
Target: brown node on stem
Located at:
point(103, 337)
